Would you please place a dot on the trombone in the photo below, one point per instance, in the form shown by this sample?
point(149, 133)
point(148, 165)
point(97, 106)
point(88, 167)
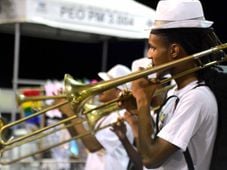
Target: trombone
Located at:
point(93, 115)
point(92, 118)
point(78, 94)
point(89, 111)
point(20, 98)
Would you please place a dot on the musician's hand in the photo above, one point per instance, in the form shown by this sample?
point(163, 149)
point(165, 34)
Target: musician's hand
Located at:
point(143, 89)
point(119, 128)
point(128, 103)
point(132, 120)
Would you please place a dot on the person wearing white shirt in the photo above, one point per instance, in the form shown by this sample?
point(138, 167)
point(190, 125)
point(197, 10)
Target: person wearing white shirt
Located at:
point(105, 151)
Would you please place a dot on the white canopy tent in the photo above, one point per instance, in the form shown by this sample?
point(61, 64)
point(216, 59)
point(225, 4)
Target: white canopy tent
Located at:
point(73, 20)
point(118, 18)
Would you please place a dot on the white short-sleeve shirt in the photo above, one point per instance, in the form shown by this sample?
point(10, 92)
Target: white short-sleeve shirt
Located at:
point(191, 123)
point(113, 156)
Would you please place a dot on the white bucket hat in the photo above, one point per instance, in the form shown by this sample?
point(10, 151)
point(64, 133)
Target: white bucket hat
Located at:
point(180, 14)
point(115, 72)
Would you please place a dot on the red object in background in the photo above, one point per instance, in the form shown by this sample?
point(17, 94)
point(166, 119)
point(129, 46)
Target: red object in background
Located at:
point(28, 109)
point(31, 92)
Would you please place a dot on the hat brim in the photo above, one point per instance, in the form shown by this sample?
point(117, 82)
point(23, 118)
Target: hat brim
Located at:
point(104, 76)
point(182, 24)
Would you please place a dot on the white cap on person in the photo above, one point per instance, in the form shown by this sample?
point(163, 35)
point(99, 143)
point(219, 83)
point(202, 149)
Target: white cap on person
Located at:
point(142, 63)
point(115, 72)
point(180, 14)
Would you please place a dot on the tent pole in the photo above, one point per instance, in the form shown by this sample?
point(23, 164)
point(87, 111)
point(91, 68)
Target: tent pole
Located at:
point(145, 48)
point(104, 55)
point(16, 67)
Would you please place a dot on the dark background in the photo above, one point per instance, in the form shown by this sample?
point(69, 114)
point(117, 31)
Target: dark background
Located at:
point(44, 59)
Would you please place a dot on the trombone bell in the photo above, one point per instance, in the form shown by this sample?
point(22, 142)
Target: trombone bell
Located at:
point(95, 115)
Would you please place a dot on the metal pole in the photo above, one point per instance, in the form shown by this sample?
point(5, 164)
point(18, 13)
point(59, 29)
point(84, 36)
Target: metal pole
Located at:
point(145, 48)
point(16, 67)
point(104, 55)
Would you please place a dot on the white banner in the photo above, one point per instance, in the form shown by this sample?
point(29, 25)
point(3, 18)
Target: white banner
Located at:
point(120, 18)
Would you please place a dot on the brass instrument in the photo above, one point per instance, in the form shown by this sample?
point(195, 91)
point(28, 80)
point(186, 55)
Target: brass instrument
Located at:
point(92, 117)
point(2, 124)
point(123, 96)
point(92, 114)
point(20, 99)
point(7, 126)
point(78, 94)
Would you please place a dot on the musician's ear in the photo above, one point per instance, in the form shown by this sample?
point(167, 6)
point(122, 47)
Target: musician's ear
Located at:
point(175, 50)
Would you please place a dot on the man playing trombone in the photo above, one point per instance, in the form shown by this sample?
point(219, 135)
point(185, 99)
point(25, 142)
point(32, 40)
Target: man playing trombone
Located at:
point(105, 150)
point(186, 133)
point(157, 101)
